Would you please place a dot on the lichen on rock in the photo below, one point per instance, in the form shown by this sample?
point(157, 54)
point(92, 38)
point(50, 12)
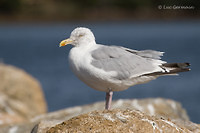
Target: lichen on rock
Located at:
point(117, 121)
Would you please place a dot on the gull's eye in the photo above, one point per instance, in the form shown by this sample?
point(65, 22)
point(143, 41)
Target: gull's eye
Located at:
point(81, 35)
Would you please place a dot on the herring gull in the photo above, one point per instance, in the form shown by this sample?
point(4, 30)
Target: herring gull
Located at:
point(114, 68)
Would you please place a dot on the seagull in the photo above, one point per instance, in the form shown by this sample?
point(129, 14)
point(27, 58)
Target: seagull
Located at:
point(114, 68)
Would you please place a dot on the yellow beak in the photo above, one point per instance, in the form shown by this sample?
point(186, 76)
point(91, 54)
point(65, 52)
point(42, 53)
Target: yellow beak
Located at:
point(65, 42)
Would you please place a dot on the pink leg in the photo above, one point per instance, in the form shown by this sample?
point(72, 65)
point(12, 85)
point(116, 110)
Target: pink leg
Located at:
point(108, 100)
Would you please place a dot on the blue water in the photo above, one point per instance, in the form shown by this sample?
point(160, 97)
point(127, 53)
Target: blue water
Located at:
point(34, 48)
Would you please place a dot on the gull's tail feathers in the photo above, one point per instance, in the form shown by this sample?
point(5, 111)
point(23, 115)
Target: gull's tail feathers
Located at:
point(171, 69)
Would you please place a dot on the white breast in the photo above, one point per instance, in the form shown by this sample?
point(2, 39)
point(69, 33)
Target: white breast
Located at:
point(80, 63)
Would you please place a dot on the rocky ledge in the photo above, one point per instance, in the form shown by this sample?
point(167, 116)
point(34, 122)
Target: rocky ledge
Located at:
point(119, 121)
point(141, 116)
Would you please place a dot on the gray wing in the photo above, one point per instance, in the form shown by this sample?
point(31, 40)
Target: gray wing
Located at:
point(146, 53)
point(126, 62)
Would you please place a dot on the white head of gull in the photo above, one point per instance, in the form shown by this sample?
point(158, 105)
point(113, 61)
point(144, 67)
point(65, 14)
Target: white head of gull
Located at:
point(114, 68)
point(80, 37)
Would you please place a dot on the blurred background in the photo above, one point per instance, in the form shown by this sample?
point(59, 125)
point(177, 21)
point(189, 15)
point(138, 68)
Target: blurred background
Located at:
point(30, 31)
point(67, 10)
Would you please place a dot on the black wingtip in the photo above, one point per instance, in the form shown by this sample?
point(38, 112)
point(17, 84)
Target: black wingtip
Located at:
point(176, 65)
point(188, 64)
point(183, 65)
